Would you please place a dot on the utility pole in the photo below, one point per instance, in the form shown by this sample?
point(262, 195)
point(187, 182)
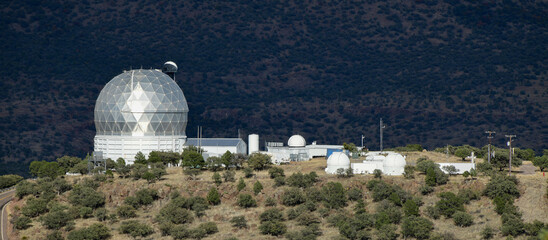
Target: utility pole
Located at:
point(491, 133)
point(510, 152)
point(381, 126)
point(362, 141)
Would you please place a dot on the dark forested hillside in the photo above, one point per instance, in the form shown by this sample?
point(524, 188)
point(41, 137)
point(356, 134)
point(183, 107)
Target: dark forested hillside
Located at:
point(437, 72)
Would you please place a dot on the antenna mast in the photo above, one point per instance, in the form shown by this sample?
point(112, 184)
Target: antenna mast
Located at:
point(491, 133)
point(381, 126)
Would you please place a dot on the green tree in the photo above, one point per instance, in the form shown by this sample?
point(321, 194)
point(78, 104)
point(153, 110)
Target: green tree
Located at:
point(430, 178)
point(213, 196)
point(248, 172)
point(292, 197)
point(229, 176)
point(126, 211)
point(21, 222)
point(451, 170)
point(135, 228)
point(409, 172)
point(351, 147)
point(192, 159)
point(50, 169)
point(9, 180)
point(334, 195)
point(541, 162)
point(228, 159)
point(140, 158)
point(34, 207)
point(257, 187)
point(86, 196)
point(68, 162)
point(501, 185)
point(239, 222)
point(449, 203)
point(192, 172)
point(410, 208)
point(96, 231)
point(241, 185)
point(246, 201)
point(81, 167)
point(55, 219)
point(463, 219)
point(25, 188)
point(217, 178)
point(417, 227)
point(259, 161)
point(214, 163)
point(275, 172)
point(377, 173)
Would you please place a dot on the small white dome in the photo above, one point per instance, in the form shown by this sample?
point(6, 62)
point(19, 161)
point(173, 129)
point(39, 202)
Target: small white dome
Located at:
point(296, 141)
point(394, 160)
point(338, 159)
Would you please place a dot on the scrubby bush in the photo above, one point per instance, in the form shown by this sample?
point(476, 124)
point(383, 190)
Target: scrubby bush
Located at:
point(410, 208)
point(409, 172)
point(276, 172)
point(217, 178)
point(302, 180)
point(463, 219)
point(86, 196)
point(25, 188)
point(468, 194)
point(417, 227)
point(487, 233)
point(228, 176)
point(239, 222)
point(241, 185)
point(334, 195)
point(449, 203)
point(500, 185)
point(248, 172)
point(377, 173)
point(96, 231)
point(433, 212)
point(279, 181)
point(387, 232)
point(269, 202)
point(101, 214)
point(146, 196)
point(135, 229)
point(126, 211)
point(257, 187)
point(292, 197)
point(533, 229)
point(511, 225)
point(55, 235)
point(209, 227)
point(34, 207)
point(425, 189)
point(85, 212)
point(259, 161)
point(174, 213)
point(246, 201)
point(213, 196)
point(387, 213)
point(21, 222)
point(354, 194)
point(273, 228)
point(307, 218)
point(55, 219)
point(272, 215)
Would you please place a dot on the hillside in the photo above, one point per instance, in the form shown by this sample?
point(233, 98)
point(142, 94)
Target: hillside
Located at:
point(532, 203)
point(437, 72)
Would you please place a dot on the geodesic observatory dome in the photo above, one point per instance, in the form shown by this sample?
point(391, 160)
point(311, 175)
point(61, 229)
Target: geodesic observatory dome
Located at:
point(140, 110)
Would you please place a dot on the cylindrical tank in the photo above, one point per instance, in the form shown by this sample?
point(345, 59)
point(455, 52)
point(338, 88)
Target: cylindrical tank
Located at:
point(253, 140)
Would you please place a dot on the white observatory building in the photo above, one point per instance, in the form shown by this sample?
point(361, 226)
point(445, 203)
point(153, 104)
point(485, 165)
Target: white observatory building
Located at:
point(390, 163)
point(141, 110)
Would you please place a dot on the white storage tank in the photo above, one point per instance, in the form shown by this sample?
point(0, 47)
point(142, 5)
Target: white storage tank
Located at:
point(253, 140)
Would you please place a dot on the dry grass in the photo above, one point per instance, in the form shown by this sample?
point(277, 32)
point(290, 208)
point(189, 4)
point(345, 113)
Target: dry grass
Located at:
point(532, 203)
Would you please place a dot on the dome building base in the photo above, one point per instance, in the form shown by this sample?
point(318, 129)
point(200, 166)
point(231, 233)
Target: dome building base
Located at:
point(126, 147)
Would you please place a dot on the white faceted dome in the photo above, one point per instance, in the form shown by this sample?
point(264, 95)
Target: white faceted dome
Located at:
point(141, 103)
point(338, 159)
point(296, 141)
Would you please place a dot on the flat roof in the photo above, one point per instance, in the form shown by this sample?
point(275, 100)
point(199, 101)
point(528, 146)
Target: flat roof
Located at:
point(225, 142)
